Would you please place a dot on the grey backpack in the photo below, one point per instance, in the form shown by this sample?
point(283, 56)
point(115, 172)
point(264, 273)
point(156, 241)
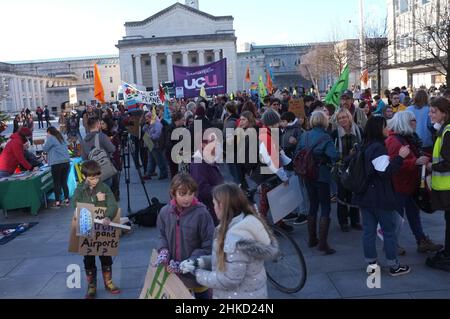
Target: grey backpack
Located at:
point(101, 157)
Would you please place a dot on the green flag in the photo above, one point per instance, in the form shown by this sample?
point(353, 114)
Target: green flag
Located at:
point(262, 89)
point(334, 96)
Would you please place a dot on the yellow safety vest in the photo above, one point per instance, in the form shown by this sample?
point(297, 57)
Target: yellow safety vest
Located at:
point(440, 181)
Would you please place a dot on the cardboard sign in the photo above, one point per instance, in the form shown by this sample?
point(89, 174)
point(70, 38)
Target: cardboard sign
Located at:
point(283, 200)
point(73, 99)
point(104, 240)
point(297, 106)
point(159, 284)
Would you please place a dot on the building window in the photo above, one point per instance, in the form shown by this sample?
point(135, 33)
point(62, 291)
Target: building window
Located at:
point(89, 74)
point(106, 66)
point(111, 80)
point(425, 1)
point(147, 62)
point(178, 61)
point(162, 62)
point(194, 59)
point(403, 5)
point(112, 94)
point(209, 59)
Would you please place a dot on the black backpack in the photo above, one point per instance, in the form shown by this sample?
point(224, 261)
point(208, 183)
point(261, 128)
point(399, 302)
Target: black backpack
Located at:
point(148, 216)
point(353, 176)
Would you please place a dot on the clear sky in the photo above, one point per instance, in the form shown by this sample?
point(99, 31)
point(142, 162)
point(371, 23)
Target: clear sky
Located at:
point(31, 29)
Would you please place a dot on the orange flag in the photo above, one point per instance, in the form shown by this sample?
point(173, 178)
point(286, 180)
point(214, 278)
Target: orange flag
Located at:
point(365, 77)
point(247, 75)
point(99, 93)
point(269, 83)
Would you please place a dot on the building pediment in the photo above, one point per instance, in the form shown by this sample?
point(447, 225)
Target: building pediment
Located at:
point(179, 20)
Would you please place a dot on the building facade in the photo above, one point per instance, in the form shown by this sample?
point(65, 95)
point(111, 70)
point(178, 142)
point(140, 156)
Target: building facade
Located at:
point(151, 47)
point(409, 63)
point(46, 82)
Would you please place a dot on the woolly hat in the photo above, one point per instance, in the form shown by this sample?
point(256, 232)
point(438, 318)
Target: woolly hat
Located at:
point(271, 118)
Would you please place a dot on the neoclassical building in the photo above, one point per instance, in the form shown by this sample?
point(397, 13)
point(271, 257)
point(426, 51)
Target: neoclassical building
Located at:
point(181, 35)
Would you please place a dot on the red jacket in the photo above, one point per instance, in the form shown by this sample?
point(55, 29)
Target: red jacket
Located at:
point(407, 180)
point(12, 155)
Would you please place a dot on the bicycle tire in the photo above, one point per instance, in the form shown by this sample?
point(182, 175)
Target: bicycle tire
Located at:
point(290, 285)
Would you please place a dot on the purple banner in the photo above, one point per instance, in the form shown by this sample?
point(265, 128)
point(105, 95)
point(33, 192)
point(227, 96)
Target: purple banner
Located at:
point(190, 79)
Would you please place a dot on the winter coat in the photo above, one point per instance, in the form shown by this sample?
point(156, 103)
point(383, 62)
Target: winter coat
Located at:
point(292, 130)
point(83, 194)
point(424, 126)
point(207, 177)
point(12, 155)
point(88, 144)
point(57, 151)
point(247, 246)
point(187, 234)
point(406, 180)
point(325, 152)
point(440, 200)
point(380, 193)
point(345, 142)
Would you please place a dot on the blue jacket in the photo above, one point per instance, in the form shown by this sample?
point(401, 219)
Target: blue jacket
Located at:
point(326, 150)
point(57, 151)
point(380, 194)
point(423, 124)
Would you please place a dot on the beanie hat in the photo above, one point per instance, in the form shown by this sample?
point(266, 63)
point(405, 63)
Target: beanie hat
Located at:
point(271, 118)
point(25, 132)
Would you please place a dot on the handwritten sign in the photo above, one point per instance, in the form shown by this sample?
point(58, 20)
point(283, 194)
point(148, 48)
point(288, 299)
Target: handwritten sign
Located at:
point(159, 284)
point(297, 106)
point(104, 240)
point(151, 98)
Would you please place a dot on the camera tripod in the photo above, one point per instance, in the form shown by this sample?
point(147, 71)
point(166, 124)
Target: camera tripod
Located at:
point(128, 151)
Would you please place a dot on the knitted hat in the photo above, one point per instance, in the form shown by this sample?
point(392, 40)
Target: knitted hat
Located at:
point(271, 118)
point(25, 132)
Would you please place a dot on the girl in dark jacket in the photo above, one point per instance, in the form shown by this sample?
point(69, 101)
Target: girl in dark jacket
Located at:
point(378, 203)
point(440, 196)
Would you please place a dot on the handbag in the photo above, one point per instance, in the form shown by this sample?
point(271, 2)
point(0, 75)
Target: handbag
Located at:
point(422, 197)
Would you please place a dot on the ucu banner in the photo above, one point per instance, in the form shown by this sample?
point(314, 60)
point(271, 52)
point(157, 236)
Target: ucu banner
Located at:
point(190, 79)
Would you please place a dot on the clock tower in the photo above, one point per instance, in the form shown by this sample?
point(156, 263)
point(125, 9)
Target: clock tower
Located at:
point(192, 4)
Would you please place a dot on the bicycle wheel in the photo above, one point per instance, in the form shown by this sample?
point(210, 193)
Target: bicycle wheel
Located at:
point(287, 271)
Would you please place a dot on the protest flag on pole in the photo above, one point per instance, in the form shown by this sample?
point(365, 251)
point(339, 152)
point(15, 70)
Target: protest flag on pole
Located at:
point(334, 96)
point(99, 92)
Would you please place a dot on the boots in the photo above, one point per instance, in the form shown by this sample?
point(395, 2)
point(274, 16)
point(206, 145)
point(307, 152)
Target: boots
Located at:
point(324, 226)
point(91, 276)
point(107, 279)
point(312, 231)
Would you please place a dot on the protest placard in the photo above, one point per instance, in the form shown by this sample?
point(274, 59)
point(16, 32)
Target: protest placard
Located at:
point(159, 284)
point(283, 200)
point(104, 240)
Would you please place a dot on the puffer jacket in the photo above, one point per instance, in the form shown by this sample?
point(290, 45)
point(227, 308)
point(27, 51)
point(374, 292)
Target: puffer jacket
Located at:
point(247, 246)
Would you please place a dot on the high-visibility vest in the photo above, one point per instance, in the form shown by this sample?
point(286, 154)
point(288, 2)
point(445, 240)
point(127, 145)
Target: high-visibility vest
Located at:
point(440, 181)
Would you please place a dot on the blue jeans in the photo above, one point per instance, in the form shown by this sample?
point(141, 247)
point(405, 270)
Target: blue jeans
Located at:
point(319, 194)
point(406, 204)
point(388, 221)
point(157, 155)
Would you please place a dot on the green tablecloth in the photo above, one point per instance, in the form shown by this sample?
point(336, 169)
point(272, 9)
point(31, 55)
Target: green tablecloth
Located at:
point(26, 193)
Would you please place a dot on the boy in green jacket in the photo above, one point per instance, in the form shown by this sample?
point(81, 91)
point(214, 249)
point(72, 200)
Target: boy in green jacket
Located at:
point(94, 192)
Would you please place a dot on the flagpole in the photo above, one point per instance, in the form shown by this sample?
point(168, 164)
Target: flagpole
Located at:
point(362, 41)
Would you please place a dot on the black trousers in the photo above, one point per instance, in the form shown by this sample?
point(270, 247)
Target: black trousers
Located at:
point(89, 262)
point(344, 211)
point(447, 233)
point(40, 122)
point(60, 172)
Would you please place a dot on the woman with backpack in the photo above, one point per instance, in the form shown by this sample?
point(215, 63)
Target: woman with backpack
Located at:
point(319, 143)
point(406, 181)
point(440, 183)
point(377, 201)
point(345, 137)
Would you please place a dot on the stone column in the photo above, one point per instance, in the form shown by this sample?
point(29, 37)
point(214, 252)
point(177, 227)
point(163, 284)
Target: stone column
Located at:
point(201, 57)
point(216, 55)
point(169, 62)
point(138, 61)
point(185, 58)
point(155, 81)
point(27, 94)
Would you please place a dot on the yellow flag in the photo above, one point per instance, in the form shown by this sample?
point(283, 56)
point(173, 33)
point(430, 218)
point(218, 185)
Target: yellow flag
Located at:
point(203, 92)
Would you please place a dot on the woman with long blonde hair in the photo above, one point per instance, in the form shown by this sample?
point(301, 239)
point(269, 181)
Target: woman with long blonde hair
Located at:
point(243, 242)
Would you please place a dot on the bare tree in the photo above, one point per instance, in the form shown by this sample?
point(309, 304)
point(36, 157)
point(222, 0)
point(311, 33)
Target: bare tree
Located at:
point(432, 36)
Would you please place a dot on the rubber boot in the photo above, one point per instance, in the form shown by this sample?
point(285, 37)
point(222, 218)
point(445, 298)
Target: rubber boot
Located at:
point(91, 276)
point(107, 279)
point(324, 227)
point(312, 231)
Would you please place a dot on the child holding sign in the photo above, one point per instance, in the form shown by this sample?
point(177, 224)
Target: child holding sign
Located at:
point(186, 231)
point(92, 191)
